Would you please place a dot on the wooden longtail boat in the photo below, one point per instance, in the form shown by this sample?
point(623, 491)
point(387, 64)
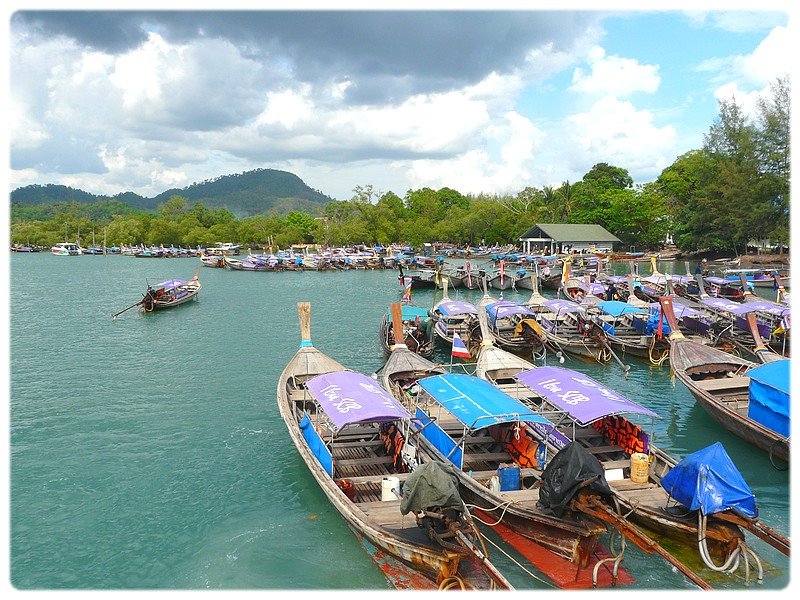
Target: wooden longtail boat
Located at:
point(479, 444)
point(171, 293)
point(566, 330)
point(720, 383)
point(634, 467)
point(344, 425)
point(417, 331)
point(630, 329)
point(453, 316)
point(514, 327)
point(574, 540)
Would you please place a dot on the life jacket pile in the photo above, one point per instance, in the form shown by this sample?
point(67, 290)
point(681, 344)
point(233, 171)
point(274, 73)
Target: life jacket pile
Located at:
point(520, 444)
point(621, 432)
point(393, 443)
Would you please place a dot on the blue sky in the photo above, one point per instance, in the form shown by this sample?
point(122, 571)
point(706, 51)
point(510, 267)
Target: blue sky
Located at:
point(486, 101)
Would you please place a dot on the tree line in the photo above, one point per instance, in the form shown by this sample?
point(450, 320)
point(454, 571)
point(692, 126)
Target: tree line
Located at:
point(717, 198)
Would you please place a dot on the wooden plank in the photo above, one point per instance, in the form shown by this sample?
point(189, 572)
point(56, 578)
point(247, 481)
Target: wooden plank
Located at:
point(723, 383)
point(358, 444)
point(487, 456)
point(602, 449)
point(377, 478)
point(369, 460)
point(615, 464)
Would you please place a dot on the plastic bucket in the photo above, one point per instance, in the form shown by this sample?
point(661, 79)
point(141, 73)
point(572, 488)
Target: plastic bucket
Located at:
point(509, 478)
point(390, 489)
point(640, 467)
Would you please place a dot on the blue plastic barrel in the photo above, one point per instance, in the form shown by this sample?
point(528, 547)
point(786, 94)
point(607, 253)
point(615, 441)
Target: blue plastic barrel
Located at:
point(509, 478)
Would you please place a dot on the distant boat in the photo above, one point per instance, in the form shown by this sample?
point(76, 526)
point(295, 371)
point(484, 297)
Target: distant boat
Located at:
point(224, 249)
point(66, 249)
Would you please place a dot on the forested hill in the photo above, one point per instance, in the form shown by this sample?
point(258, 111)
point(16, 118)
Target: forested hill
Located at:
point(245, 194)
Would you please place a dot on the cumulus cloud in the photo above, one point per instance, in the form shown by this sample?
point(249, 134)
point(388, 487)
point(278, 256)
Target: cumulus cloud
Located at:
point(143, 101)
point(614, 75)
point(614, 131)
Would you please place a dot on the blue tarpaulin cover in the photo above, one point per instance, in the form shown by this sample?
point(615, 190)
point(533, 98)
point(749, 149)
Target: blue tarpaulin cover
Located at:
point(476, 402)
point(615, 308)
point(707, 480)
point(769, 396)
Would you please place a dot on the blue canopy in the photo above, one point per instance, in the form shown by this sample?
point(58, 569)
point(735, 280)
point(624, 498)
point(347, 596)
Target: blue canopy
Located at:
point(476, 402)
point(615, 308)
point(769, 396)
point(410, 313)
point(707, 480)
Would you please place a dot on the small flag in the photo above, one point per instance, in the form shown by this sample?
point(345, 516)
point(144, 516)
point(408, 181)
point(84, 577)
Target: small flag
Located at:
point(407, 285)
point(459, 349)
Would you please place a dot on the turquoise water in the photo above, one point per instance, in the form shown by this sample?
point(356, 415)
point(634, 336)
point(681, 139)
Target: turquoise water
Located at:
point(147, 451)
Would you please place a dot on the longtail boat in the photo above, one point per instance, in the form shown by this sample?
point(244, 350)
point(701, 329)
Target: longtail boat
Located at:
point(721, 384)
point(560, 544)
point(416, 328)
point(453, 316)
point(349, 431)
point(170, 293)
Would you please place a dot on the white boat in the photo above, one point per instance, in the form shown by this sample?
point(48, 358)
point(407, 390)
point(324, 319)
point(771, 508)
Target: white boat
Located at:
point(66, 249)
point(224, 249)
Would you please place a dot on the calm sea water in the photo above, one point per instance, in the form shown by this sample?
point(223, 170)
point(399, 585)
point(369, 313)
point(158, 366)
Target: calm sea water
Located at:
point(147, 452)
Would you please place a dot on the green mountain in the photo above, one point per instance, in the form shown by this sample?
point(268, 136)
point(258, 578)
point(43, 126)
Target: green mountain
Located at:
point(249, 193)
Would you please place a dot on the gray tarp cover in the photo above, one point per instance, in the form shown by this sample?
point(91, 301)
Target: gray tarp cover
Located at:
point(566, 473)
point(433, 484)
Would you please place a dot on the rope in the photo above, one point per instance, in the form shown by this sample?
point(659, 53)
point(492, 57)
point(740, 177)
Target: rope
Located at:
point(450, 582)
point(505, 506)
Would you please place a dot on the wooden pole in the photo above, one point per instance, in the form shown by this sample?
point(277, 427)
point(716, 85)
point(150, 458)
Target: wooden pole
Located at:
point(304, 313)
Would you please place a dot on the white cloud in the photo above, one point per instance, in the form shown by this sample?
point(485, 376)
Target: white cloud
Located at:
point(613, 131)
point(286, 108)
point(481, 170)
point(738, 21)
point(771, 59)
point(614, 75)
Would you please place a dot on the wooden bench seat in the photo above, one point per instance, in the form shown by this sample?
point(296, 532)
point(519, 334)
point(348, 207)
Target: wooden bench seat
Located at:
point(602, 449)
point(723, 383)
point(486, 456)
point(369, 460)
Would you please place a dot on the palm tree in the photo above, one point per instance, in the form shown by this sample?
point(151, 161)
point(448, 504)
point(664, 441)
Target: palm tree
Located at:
point(565, 196)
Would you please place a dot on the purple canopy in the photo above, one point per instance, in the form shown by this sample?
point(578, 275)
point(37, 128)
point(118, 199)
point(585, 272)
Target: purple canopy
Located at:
point(583, 398)
point(717, 280)
point(617, 278)
point(171, 284)
point(568, 306)
point(683, 279)
point(680, 310)
point(769, 307)
point(456, 307)
point(504, 308)
point(724, 304)
point(348, 397)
